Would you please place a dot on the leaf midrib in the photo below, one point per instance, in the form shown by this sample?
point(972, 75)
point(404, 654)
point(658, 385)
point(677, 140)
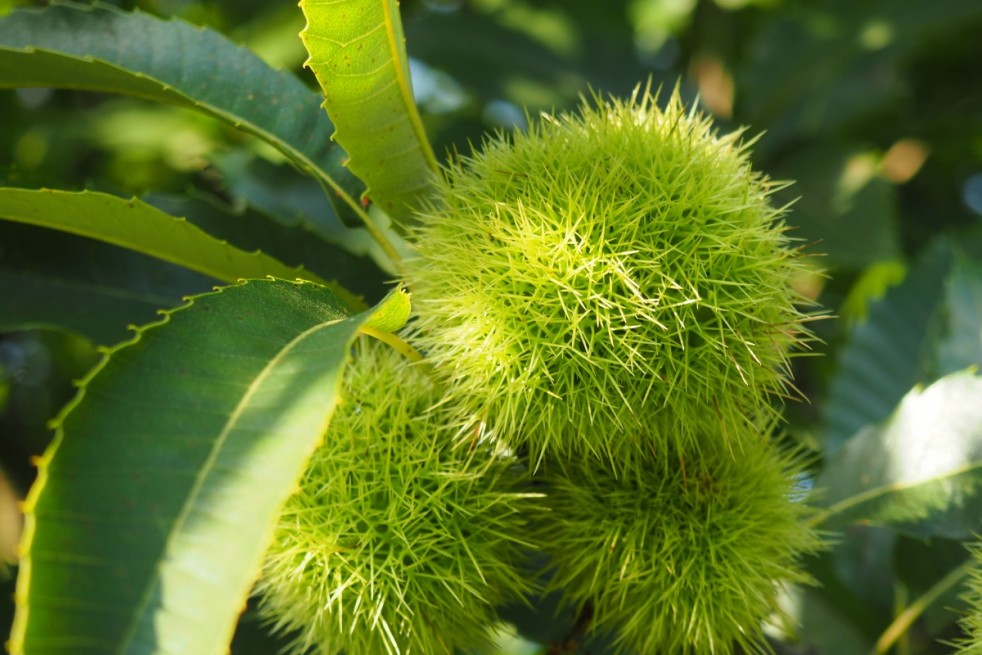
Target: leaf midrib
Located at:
point(882, 490)
point(405, 88)
point(203, 475)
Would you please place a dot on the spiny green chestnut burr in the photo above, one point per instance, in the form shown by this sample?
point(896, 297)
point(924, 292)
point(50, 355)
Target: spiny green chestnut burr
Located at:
point(624, 256)
point(397, 541)
point(684, 555)
point(972, 621)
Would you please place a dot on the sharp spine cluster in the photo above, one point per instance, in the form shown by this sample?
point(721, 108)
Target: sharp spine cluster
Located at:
point(971, 623)
point(603, 266)
point(685, 554)
point(397, 541)
point(608, 299)
point(612, 291)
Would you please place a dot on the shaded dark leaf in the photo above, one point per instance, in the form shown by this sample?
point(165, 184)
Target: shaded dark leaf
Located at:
point(887, 354)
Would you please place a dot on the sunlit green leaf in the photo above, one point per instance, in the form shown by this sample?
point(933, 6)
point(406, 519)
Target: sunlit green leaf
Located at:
point(358, 54)
point(251, 229)
point(153, 507)
point(133, 224)
point(921, 471)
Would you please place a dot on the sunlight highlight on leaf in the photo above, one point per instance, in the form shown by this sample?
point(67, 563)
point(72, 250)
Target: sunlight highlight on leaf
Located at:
point(921, 471)
point(357, 52)
point(156, 502)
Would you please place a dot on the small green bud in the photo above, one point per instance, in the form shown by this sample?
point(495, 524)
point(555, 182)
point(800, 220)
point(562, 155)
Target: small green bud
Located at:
point(397, 541)
point(626, 256)
point(685, 554)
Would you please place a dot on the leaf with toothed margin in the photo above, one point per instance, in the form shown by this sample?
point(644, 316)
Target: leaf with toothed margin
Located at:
point(154, 504)
point(358, 54)
point(58, 281)
point(254, 228)
point(135, 225)
point(100, 48)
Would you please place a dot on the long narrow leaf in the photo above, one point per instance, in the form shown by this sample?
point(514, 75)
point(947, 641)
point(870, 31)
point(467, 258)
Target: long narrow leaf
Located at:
point(54, 280)
point(357, 52)
point(252, 228)
point(137, 226)
point(154, 505)
point(99, 48)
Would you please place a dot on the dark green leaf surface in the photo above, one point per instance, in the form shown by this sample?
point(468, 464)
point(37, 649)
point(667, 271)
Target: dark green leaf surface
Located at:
point(357, 52)
point(831, 616)
point(252, 230)
point(137, 226)
point(498, 53)
point(862, 559)
point(253, 636)
point(99, 48)
point(153, 507)
point(920, 472)
point(292, 200)
point(829, 627)
point(920, 565)
point(886, 355)
point(59, 281)
point(7, 581)
point(961, 345)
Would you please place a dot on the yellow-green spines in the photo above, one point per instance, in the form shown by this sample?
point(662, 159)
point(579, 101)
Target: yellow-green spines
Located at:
point(396, 541)
point(683, 556)
point(972, 622)
point(622, 257)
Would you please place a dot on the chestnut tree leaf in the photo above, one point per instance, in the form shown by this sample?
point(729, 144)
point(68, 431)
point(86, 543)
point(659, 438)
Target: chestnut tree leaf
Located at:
point(54, 280)
point(888, 353)
point(135, 225)
point(156, 501)
point(961, 345)
point(358, 54)
point(920, 471)
point(131, 223)
point(100, 48)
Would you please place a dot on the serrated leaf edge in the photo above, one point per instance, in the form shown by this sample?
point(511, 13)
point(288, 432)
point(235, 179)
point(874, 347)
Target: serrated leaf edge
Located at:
point(21, 616)
point(353, 301)
point(399, 62)
point(298, 158)
point(858, 499)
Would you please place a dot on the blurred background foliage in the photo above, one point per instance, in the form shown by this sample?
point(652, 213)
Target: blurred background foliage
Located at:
point(873, 107)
